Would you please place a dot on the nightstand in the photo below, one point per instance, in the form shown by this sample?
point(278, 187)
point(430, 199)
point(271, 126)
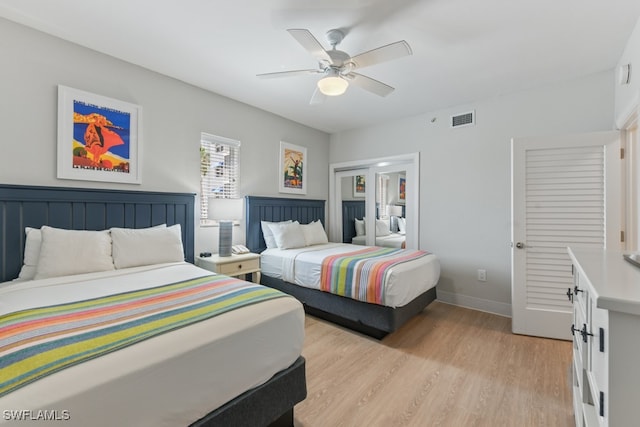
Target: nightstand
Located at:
point(234, 265)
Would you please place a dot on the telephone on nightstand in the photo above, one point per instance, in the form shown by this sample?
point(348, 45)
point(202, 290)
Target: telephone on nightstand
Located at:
point(239, 249)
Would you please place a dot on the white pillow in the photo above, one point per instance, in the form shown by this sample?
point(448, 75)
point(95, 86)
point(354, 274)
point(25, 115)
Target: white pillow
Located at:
point(288, 235)
point(31, 253)
point(146, 246)
point(314, 233)
point(68, 252)
point(268, 234)
point(382, 228)
point(360, 230)
point(402, 225)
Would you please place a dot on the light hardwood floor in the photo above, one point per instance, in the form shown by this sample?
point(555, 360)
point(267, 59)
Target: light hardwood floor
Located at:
point(449, 366)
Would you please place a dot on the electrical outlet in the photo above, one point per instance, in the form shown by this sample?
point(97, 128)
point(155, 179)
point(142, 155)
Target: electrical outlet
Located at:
point(482, 275)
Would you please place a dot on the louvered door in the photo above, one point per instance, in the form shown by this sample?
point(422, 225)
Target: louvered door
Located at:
point(565, 192)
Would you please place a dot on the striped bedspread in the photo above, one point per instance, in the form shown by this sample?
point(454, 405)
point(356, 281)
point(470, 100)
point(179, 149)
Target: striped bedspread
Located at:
point(40, 341)
point(362, 274)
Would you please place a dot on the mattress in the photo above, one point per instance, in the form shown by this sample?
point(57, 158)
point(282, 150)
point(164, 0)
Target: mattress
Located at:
point(302, 266)
point(393, 240)
point(172, 379)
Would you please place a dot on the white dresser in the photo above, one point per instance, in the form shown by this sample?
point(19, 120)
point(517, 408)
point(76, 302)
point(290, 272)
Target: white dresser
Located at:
point(606, 342)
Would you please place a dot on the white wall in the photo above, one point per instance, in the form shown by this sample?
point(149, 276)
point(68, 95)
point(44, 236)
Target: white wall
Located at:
point(628, 96)
point(465, 175)
point(174, 114)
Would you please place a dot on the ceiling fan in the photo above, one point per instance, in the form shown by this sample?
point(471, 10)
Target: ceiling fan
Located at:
point(338, 68)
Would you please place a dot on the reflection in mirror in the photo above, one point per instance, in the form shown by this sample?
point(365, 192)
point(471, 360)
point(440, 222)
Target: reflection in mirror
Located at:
point(390, 199)
point(353, 209)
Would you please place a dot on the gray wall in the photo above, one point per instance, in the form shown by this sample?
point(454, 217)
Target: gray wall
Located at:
point(173, 114)
point(465, 175)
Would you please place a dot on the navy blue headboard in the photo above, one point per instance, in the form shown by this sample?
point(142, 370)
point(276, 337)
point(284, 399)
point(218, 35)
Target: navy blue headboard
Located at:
point(351, 209)
point(85, 209)
point(277, 209)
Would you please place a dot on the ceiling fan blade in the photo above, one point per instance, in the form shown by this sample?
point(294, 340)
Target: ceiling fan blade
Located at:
point(382, 54)
point(317, 97)
point(369, 84)
point(311, 44)
point(291, 73)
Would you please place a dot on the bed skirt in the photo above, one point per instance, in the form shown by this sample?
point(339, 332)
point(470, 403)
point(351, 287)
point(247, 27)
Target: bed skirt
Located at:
point(270, 404)
point(374, 320)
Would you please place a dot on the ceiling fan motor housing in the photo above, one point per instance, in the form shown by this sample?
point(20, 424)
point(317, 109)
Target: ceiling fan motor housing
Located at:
point(339, 58)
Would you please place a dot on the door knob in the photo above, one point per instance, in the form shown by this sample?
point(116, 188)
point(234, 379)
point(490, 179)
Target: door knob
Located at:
point(519, 245)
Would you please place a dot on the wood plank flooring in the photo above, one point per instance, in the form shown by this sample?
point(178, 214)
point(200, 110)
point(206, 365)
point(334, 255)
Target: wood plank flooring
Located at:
point(449, 366)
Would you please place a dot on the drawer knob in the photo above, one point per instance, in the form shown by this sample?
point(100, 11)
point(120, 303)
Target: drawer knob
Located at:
point(570, 296)
point(239, 266)
point(576, 290)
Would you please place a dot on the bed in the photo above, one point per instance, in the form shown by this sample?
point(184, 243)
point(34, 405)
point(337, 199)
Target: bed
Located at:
point(353, 211)
point(373, 319)
point(165, 379)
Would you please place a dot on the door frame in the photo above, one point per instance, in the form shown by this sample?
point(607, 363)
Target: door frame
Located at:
point(631, 180)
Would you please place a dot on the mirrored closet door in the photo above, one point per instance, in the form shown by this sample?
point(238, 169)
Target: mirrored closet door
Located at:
point(375, 202)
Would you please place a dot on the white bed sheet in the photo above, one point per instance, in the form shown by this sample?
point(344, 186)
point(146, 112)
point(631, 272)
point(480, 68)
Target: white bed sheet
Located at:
point(172, 379)
point(302, 266)
point(393, 240)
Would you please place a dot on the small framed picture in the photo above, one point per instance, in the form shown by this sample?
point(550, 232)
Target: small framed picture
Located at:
point(402, 188)
point(293, 174)
point(359, 185)
point(98, 138)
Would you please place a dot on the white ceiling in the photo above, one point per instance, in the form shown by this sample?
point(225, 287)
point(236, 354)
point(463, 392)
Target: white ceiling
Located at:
point(463, 50)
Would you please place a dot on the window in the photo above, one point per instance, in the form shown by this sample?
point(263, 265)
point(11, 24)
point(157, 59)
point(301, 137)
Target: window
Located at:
point(219, 170)
point(381, 195)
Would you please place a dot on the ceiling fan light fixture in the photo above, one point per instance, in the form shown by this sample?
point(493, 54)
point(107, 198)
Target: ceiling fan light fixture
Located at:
point(333, 85)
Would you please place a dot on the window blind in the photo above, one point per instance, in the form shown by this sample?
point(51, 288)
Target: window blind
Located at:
point(381, 195)
point(219, 170)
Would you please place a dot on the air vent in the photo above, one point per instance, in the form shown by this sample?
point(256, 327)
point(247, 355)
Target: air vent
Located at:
point(464, 119)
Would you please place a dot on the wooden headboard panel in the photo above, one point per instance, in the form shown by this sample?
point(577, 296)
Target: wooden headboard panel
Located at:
point(85, 209)
point(351, 209)
point(277, 209)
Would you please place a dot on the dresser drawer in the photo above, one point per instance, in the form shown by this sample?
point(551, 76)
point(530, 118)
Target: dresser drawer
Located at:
point(239, 267)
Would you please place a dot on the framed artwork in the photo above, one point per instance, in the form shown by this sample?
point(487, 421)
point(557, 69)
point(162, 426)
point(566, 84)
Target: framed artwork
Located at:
point(99, 138)
point(402, 189)
point(359, 185)
point(292, 169)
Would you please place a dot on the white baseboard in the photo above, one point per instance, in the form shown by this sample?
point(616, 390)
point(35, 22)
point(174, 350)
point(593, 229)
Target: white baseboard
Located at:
point(486, 305)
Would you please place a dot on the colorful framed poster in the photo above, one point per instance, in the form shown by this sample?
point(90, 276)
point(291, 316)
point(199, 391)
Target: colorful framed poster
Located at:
point(402, 188)
point(292, 171)
point(359, 185)
point(99, 138)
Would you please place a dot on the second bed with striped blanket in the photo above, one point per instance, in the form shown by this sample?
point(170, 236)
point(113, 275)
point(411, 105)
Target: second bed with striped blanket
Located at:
point(362, 274)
